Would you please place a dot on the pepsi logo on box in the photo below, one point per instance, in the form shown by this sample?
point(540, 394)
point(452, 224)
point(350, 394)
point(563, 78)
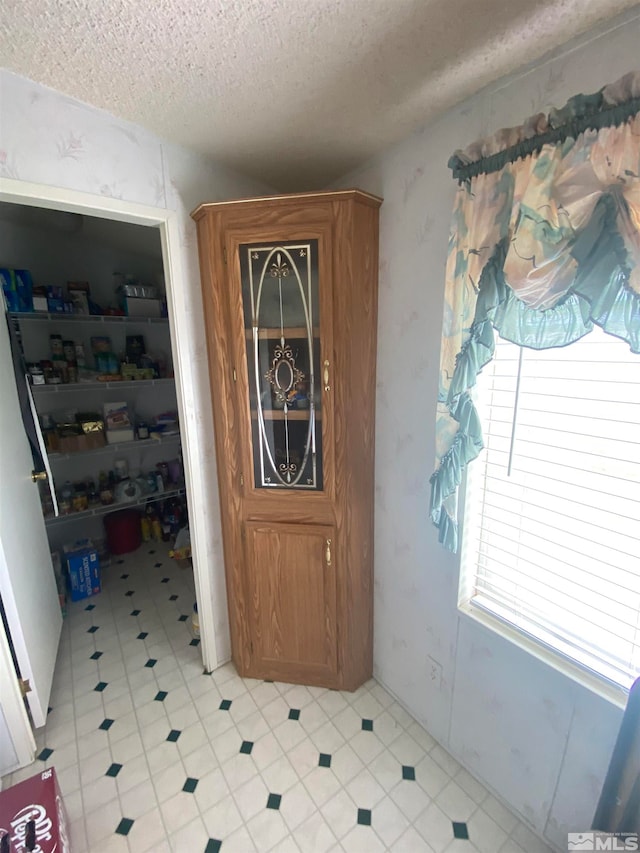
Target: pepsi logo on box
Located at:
point(33, 816)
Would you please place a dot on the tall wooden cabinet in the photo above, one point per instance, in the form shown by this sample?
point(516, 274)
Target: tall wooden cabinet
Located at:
point(290, 297)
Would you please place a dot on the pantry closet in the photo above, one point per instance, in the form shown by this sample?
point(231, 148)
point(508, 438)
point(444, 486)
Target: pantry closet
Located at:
point(99, 354)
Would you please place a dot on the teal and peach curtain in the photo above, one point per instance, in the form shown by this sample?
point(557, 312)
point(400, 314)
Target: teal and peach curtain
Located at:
point(544, 243)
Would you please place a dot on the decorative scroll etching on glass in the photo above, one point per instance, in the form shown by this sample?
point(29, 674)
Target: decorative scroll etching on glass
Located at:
point(282, 328)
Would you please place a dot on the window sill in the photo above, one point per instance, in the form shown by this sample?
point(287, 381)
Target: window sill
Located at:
point(598, 685)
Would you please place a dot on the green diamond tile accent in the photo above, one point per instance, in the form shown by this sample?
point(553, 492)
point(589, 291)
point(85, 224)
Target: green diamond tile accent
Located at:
point(44, 754)
point(324, 760)
point(106, 724)
point(408, 773)
point(173, 598)
point(165, 580)
point(124, 827)
point(113, 772)
point(173, 735)
point(90, 607)
point(142, 635)
point(100, 686)
point(136, 612)
point(247, 746)
point(151, 663)
point(182, 618)
point(152, 552)
point(213, 846)
point(129, 593)
point(161, 695)
point(294, 714)
point(190, 785)
point(92, 629)
point(96, 655)
point(120, 562)
point(157, 565)
point(460, 830)
point(123, 577)
point(367, 725)
point(194, 643)
point(273, 801)
point(225, 704)
point(364, 817)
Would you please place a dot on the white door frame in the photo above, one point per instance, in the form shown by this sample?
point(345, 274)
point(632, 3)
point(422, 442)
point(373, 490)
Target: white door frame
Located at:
point(12, 705)
point(72, 201)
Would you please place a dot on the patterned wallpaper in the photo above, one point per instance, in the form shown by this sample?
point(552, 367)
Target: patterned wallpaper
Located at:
point(50, 139)
point(539, 740)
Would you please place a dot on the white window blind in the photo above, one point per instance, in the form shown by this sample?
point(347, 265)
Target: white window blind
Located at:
point(552, 521)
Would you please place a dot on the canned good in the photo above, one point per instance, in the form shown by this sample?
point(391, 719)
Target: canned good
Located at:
point(69, 350)
point(37, 374)
point(57, 347)
point(80, 498)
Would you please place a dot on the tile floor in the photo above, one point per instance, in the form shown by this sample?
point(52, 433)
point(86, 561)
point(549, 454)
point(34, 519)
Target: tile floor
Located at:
point(153, 755)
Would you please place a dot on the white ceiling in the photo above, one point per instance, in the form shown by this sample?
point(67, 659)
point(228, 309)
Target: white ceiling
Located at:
point(294, 92)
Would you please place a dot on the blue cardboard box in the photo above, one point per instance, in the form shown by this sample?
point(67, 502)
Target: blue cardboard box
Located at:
point(83, 568)
point(17, 287)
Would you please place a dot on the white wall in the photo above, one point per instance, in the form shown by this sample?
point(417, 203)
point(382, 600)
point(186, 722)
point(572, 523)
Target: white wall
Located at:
point(50, 139)
point(539, 740)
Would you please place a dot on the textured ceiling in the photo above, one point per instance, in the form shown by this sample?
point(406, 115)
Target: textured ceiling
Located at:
point(294, 92)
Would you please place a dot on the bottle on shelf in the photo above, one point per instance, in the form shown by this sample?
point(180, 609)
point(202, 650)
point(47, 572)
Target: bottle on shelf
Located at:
point(106, 492)
point(145, 528)
point(93, 494)
point(66, 498)
point(156, 528)
point(80, 501)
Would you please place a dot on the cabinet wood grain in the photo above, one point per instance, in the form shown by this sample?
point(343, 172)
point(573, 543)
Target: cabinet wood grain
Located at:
point(298, 561)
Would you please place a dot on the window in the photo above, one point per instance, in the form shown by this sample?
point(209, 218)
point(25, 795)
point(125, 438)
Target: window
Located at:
point(552, 520)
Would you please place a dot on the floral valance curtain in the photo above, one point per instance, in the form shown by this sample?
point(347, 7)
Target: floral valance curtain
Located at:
point(544, 243)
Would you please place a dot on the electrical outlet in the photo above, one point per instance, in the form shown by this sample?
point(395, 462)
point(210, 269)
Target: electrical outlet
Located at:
point(435, 672)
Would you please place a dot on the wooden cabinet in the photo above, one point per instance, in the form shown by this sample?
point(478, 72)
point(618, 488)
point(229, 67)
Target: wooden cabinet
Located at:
point(290, 298)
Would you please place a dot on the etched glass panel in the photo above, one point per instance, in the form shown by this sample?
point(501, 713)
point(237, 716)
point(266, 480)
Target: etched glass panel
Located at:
point(282, 327)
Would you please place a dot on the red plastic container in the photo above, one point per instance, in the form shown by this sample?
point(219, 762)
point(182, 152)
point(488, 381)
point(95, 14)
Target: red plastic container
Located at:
point(123, 531)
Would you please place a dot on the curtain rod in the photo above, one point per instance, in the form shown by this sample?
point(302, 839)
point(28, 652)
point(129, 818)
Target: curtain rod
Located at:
point(595, 119)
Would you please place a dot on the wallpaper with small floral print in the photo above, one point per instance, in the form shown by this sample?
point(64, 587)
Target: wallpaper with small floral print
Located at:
point(51, 139)
point(539, 740)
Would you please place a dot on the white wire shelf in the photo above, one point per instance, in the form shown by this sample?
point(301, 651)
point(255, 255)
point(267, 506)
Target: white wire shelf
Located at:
point(154, 497)
point(44, 316)
point(119, 446)
point(97, 386)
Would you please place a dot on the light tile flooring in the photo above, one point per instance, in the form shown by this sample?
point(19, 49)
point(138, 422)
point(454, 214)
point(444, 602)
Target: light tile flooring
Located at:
point(153, 755)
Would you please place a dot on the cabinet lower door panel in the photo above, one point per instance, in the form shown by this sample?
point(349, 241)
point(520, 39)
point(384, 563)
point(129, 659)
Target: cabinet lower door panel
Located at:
point(291, 587)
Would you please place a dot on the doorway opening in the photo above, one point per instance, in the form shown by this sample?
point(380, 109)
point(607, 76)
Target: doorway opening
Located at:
point(61, 241)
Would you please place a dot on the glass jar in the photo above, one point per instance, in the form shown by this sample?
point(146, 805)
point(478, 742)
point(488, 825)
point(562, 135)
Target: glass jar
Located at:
point(80, 498)
point(65, 504)
point(37, 374)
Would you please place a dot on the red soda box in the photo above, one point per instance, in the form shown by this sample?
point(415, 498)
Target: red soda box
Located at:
point(32, 814)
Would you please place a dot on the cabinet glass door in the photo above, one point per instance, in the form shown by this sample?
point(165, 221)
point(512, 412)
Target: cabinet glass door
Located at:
point(282, 331)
